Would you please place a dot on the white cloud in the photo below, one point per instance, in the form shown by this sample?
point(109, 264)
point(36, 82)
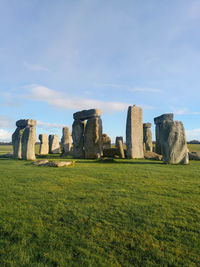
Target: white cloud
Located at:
point(6, 122)
point(145, 90)
point(5, 136)
point(59, 100)
point(184, 111)
point(35, 67)
point(193, 134)
point(42, 125)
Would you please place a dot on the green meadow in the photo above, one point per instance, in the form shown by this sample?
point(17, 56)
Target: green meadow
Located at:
point(99, 213)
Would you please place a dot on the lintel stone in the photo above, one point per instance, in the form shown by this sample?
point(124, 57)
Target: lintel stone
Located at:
point(87, 114)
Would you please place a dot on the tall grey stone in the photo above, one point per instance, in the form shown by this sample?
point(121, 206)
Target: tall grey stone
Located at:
point(173, 143)
point(147, 136)
point(17, 142)
point(118, 138)
point(121, 148)
point(28, 143)
point(54, 146)
point(158, 122)
point(78, 127)
point(93, 138)
point(44, 144)
point(106, 141)
point(66, 141)
point(134, 132)
point(23, 139)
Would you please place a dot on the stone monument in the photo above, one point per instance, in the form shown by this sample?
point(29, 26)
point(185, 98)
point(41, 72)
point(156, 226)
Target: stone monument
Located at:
point(66, 141)
point(147, 136)
point(134, 133)
point(54, 146)
point(23, 139)
point(44, 144)
point(158, 122)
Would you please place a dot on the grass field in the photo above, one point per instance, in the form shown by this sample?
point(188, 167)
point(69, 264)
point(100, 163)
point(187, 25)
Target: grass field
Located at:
point(120, 213)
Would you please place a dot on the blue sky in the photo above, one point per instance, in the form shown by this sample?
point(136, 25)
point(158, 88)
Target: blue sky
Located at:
point(58, 57)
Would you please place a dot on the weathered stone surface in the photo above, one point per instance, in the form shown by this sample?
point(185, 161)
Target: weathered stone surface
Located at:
point(152, 155)
point(134, 132)
point(40, 162)
point(17, 143)
point(147, 137)
point(164, 117)
point(54, 146)
point(87, 114)
point(53, 163)
point(24, 123)
point(173, 143)
point(118, 138)
point(158, 121)
point(106, 141)
point(44, 144)
point(66, 141)
point(78, 138)
point(28, 143)
point(194, 156)
point(93, 138)
point(111, 152)
point(121, 148)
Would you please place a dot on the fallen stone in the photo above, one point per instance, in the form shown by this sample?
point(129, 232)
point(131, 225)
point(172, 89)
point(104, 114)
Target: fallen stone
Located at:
point(194, 155)
point(40, 162)
point(87, 114)
point(6, 156)
point(152, 155)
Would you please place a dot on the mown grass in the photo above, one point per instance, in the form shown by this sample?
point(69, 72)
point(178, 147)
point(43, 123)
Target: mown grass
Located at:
point(120, 213)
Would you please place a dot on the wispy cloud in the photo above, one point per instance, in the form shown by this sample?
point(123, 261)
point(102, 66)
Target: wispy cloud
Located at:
point(145, 90)
point(193, 134)
point(5, 136)
point(129, 88)
point(6, 122)
point(184, 111)
point(59, 100)
point(45, 125)
point(34, 67)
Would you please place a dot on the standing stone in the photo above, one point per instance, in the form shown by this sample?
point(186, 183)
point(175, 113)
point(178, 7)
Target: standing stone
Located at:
point(66, 141)
point(44, 144)
point(78, 127)
point(147, 136)
point(158, 122)
point(106, 141)
point(17, 143)
point(23, 139)
point(134, 133)
point(121, 148)
point(93, 138)
point(28, 143)
point(173, 142)
point(87, 114)
point(54, 146)
point(118, 138)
